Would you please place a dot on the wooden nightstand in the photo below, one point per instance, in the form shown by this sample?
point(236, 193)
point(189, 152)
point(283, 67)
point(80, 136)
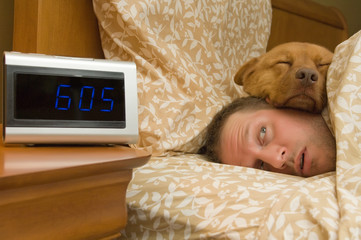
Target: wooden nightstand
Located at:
point(52, 192)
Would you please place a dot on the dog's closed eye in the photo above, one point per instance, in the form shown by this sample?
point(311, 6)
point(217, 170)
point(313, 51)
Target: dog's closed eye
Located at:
point(323, 64)
point(285, 62)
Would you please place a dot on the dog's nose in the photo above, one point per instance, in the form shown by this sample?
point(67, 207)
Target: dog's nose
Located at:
point(307, 76)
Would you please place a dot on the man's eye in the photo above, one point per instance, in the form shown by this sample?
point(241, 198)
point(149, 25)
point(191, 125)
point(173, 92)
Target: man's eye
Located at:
point(262, 133)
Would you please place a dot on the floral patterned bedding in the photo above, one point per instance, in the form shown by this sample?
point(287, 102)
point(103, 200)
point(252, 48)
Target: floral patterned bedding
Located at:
point(186, 197)
point(186, 54)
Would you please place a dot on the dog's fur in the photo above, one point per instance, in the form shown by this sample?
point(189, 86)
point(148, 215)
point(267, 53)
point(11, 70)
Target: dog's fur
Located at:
point(289, 75)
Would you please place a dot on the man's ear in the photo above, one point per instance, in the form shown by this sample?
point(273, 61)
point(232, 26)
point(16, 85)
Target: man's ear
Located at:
point(245, 70)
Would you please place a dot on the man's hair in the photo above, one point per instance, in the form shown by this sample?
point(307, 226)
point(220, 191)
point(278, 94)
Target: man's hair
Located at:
point(213, 131)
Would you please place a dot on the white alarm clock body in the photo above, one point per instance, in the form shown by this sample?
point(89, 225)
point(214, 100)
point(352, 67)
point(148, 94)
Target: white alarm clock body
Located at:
point(64, 100)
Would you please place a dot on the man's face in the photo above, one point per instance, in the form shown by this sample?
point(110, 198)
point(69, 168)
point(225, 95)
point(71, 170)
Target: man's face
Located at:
point(284, 141)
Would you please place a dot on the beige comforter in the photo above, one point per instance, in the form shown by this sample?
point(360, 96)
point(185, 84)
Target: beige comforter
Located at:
point(186, 54)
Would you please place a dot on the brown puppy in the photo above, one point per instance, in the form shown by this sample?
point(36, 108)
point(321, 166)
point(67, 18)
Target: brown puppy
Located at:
point(289, 75)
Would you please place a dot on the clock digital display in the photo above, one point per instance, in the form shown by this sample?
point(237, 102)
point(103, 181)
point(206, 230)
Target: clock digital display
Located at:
point(52, 97)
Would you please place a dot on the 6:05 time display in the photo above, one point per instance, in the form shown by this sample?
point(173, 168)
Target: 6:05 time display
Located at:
point(63, 102)
point(69, 98)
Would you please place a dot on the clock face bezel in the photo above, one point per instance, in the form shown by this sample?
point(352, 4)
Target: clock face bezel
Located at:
point(11, 121)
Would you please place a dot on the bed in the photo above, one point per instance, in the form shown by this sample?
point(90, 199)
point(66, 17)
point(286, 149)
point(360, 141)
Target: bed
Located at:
point(186, 54)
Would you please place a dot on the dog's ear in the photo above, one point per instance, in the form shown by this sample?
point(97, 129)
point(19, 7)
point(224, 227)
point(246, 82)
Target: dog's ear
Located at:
point(245, 71)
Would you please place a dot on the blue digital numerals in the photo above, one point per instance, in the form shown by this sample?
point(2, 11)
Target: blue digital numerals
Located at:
point(109, 100)
point(63, 101)
point(87, 104)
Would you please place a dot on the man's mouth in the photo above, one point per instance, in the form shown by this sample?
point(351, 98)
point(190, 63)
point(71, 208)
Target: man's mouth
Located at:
point(301, 164)
point(302, 161)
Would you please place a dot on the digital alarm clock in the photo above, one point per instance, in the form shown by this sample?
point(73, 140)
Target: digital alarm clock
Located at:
point(64, 100)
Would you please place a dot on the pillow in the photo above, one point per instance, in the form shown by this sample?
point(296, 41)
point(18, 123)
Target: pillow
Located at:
point(186, 54)
point(344, 98)
point(186, 197)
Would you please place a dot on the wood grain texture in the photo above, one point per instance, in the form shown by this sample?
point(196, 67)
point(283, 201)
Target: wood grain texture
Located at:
point(311, 10)
point(306, 21)
point(25, 25)
point(56, 27)
point(50, 192)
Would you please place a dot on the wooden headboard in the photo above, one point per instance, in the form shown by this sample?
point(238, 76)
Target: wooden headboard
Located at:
point(69, 27)
point(306, 21)
point(58, 27)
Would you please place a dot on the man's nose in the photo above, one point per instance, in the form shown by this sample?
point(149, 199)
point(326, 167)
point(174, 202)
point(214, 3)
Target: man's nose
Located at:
point(275, 156)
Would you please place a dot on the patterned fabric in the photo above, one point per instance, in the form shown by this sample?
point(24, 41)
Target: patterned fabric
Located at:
point(186, 197)
point(344, 92)
point(186, 54)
